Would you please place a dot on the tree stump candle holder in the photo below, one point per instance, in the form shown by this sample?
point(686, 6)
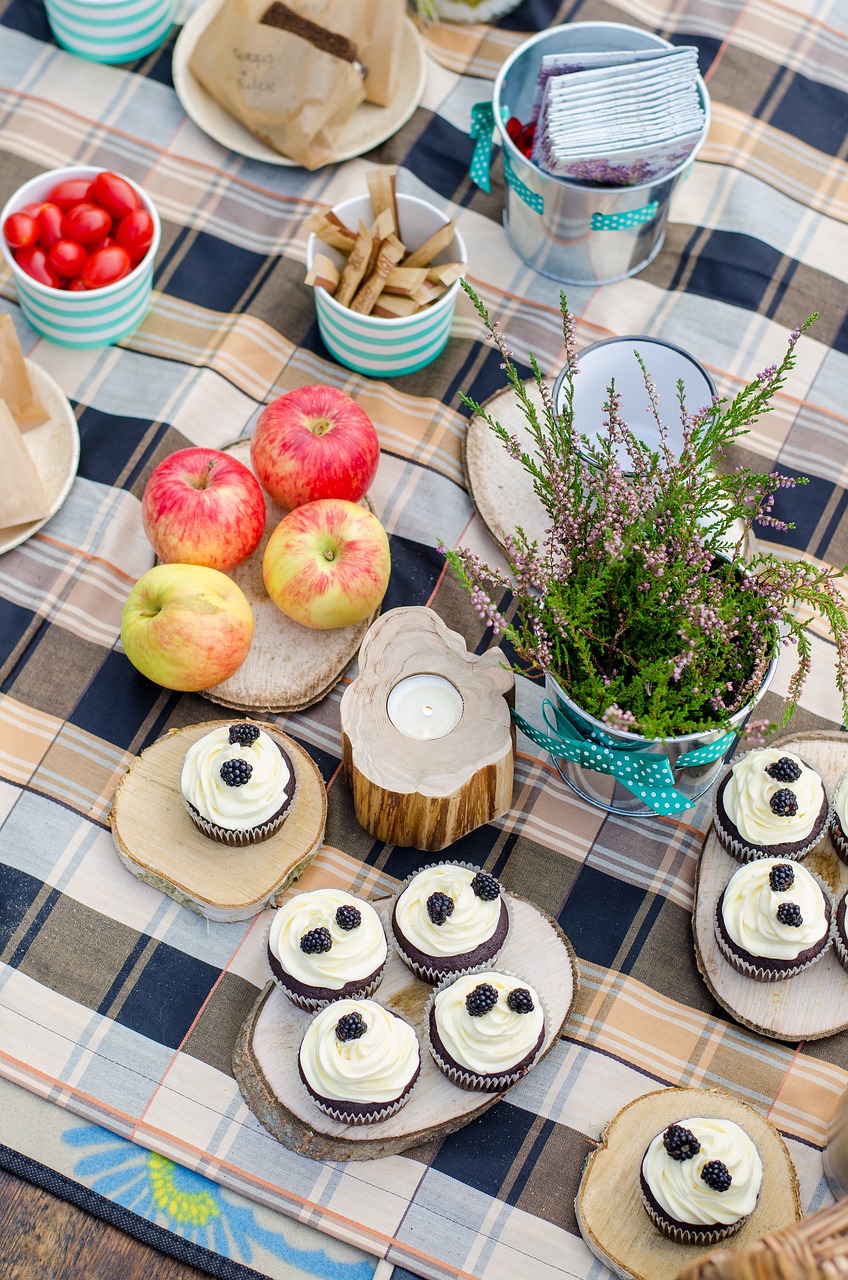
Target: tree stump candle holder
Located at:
point(427, 738)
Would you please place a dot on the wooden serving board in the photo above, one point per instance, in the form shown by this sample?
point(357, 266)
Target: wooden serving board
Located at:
point(814, 1003)
point(499, 487)
point(158, 842)
point(265, 1055)
point(610, 1213)
point(288, 666)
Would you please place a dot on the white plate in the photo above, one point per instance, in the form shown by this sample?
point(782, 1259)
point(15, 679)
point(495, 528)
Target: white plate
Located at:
point(368, 126)
point(55, 449)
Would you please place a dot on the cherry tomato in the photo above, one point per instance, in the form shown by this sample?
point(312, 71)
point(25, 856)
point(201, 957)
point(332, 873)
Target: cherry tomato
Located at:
point(33, 260)
point(87, 223)
point(105, 266)
point(50, 219)
point(67, 258)
point(114, 194)
point(70, 192)
point(20, 230)
point(135, 233)
point(32, 209)
point(76, 286)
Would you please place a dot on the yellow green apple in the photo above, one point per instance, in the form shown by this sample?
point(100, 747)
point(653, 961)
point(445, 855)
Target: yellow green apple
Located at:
point(327, 564)
point(186, 626)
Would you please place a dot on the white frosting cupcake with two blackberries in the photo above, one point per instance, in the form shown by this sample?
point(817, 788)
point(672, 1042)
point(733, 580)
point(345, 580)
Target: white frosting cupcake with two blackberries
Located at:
point(359, 1061)
point(326, 945)
point(238, 784)
point(448, 919)
point(773, 919)
point(486, 1029)
point(770, 804)
point(700, 1179)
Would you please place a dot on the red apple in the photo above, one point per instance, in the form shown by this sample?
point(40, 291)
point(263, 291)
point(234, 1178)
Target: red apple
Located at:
point(327, 564)
point(314, 443)
point(202, 506)
point(186, 627)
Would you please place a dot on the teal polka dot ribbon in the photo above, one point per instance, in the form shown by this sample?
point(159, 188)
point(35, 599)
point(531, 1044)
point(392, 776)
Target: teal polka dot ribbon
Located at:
point(644, 773)
point(483, 129)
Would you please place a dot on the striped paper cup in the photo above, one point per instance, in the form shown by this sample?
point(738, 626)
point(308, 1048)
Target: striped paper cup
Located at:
point(94, 318)
point(110, 30)
point(388, 347)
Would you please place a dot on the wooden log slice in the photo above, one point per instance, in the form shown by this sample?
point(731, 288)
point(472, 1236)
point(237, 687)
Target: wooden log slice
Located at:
point(814, 1003)
point(288, 666)
point(499, 487)
point(610, 1213)
point(265, 1054)
point(158, 842)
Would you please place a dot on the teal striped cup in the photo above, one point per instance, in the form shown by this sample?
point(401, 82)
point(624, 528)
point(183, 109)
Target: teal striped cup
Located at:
point(110, 30)
point(95, 318)
point(372, 344)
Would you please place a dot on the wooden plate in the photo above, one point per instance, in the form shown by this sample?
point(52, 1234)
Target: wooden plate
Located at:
point(814, 1003)
point(288, 666)
point(265, 1055)
point(158, 842)
point(610, 1214)
point(55, 449)
point(368, 126)
point(499, 487)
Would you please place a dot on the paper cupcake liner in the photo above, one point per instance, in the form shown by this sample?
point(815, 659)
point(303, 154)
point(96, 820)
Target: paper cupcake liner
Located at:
point(839, 944)
point(435, 975)
point(838, 837)
point(772, 975)
point(466, 1079)
point(744, 851)
point(236, 839)
point(708, 1235)
point(313, 1004)
point(347, 1117)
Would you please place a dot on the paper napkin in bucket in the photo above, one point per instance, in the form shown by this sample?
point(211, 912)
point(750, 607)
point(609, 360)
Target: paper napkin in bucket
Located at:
point(293, 83)
point(22, 400)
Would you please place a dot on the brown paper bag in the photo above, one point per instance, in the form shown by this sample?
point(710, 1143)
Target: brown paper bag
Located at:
point(21, 397)
point(291, 94)
point(22, 496)
point(377, 28)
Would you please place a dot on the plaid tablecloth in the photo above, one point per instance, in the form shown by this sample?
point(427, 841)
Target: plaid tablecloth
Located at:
point(122, 1006)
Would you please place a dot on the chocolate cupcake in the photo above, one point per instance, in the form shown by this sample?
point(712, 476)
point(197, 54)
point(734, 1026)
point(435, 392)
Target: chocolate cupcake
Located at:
point(486, 1029)
point(773, 919)
point(840, 934)
point(359, 1061)
point(839, 820)
point(700, 1179)
point(770, 804)
point(448, 919)
point(238, 784)
point(326, 945)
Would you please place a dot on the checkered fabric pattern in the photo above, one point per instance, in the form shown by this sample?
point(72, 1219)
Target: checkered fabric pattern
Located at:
point(122, 1006)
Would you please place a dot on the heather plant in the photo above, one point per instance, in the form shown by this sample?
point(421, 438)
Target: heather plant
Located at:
point(642, 600)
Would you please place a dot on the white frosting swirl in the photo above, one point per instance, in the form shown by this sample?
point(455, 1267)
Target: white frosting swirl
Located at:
point(472, 921)
point(679, 1189)
point(493, 1042)
point(841, 804)
point(355, 953)
point(235, 808)
point(749, 791)
point(375, 1068)
point(749, 911)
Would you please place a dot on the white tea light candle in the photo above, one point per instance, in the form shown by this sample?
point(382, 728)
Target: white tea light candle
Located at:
point(424, 706)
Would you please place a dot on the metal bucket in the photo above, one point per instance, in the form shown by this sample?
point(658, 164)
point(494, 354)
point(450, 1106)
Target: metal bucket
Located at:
point(577, 232)
point(604, 791)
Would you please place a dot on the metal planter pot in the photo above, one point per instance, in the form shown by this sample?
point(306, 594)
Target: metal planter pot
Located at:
point(604, 791)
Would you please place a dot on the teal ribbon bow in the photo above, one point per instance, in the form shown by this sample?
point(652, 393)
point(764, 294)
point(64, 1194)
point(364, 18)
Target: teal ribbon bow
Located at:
point(645, 774)
point(483, 129)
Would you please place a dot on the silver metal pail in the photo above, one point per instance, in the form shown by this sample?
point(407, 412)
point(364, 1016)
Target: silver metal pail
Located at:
point(602, 789)
point(577, 232)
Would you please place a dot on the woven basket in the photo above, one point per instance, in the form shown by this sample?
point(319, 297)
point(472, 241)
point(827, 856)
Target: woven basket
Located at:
point(814, 1249)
